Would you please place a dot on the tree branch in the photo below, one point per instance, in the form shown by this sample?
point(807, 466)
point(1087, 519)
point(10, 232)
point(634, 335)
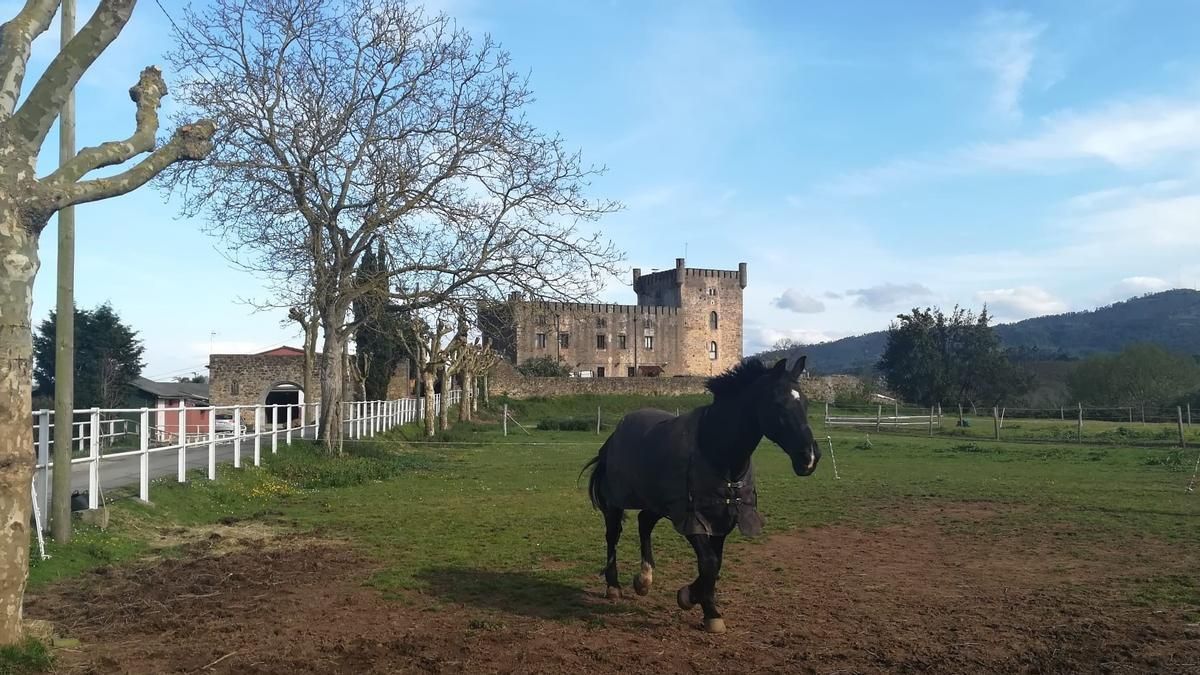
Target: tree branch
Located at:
point(33, 119)
point(16, 40)
point(147, 94)
point(191, 142)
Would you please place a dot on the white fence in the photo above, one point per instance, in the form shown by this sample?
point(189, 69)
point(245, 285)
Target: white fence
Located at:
point(268, 426)
point(874, 417)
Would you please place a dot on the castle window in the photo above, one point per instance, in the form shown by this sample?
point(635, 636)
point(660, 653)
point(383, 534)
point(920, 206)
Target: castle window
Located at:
point(712, 351)
point(622, 343)
point(540, 320)
point(601, 341)
point(649, 342)
point(712, 291)
point(235, 388)
point(712, 320)
point(601, 323)
point(564, 340)
point(540, 340)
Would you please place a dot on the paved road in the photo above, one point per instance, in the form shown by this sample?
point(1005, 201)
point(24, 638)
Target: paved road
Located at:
point(125, 472)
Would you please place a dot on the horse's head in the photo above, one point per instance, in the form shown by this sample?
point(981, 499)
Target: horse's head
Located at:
point(783, 416)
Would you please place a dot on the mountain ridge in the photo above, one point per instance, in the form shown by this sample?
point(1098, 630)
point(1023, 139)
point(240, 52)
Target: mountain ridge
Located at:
point(1170, 319)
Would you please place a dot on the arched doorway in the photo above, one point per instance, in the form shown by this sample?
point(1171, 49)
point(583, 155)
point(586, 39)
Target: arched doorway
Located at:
point(287, 394)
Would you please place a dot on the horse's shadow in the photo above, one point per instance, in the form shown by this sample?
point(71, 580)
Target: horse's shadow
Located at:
point(525, 593)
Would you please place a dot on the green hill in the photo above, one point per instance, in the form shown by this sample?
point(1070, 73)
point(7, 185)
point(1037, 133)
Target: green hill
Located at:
point(1170, 319)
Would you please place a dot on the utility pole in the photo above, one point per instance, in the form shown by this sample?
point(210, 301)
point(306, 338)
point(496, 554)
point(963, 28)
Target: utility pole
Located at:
point(64, 329)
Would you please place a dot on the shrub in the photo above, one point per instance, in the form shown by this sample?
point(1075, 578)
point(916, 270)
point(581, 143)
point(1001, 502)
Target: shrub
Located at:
point(543, 366)
point(566, 424)
point(29, 657)
point(307, 467)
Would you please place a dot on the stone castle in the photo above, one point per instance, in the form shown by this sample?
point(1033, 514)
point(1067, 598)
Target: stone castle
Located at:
point(687, 322)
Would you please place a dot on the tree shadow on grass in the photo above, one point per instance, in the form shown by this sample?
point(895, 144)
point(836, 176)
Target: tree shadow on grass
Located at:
point(524, 593)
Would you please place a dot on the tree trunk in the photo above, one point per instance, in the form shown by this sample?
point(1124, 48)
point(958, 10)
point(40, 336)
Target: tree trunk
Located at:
point(444, 412)
point(464, 407)
point(310, 357)
point(18, 266)
point(332, 392)
point(428, 380)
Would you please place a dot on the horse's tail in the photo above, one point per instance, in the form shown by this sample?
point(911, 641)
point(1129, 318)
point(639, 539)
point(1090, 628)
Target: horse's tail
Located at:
point(597, 477)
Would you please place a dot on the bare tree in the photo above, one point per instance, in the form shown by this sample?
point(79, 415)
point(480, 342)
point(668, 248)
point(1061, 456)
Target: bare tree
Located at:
point(474, 359)
point(343, 122)
point(27, 203)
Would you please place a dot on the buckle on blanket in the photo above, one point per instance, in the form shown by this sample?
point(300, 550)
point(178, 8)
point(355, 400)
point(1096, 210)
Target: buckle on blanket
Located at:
point(737, 486)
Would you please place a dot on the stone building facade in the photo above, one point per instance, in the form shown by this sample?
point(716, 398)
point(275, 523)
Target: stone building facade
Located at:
point(249, 379)
point(687, 322)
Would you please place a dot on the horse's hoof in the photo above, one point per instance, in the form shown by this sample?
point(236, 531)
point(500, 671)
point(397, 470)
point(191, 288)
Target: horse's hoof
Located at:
point(684, 598)
point(643, 580)
point(613, 593)
point(714, 625)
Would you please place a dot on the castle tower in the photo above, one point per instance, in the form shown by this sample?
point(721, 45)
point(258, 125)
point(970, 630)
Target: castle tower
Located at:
point(710, 313)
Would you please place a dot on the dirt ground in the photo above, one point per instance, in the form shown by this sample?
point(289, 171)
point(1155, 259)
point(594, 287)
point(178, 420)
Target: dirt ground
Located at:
point(929, 596)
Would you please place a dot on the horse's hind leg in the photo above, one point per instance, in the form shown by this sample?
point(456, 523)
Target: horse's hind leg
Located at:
point(613, 522)
point(645, 577)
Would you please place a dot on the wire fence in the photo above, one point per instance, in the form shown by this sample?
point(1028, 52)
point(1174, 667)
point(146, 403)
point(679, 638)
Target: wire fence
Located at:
point(1117, 425)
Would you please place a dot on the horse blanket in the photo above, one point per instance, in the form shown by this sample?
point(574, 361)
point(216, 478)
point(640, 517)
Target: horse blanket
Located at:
point(652, 461)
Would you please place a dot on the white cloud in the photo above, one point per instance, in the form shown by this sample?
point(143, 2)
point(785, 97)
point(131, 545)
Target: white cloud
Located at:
point(795, 301)
point(888, 295)
point(763, 338)
point(1021, 302)
point(1004, 46)
point(1134, 286)
point(1126, 135)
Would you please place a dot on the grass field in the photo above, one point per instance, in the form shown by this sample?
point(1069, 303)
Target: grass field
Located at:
point(493, 532)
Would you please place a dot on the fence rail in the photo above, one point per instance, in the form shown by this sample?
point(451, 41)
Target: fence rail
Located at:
point(267, 426)
point(1116, 425)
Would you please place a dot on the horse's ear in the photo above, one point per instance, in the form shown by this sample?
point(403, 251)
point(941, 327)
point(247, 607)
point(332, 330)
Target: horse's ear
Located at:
point(780, 367)
point(799, 366)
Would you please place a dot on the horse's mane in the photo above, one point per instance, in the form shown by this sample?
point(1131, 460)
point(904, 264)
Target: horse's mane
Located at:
point(737, 378)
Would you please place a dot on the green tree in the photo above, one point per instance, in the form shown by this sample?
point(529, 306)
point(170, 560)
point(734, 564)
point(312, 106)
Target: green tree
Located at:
point(543, 366)
point(384, 334)
point(1141, 375)
point(108, 357)
point(932, 358)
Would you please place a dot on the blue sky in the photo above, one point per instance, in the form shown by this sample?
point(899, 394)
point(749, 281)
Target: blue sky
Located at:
point(862, 157)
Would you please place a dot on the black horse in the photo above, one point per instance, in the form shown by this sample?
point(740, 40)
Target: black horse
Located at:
point(695, 470)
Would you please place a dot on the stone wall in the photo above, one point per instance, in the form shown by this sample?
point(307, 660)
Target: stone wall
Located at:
point(507, 382)
point(245, 379)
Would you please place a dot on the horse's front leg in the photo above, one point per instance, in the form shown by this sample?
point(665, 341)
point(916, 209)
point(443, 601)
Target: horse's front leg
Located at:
point(703, 590)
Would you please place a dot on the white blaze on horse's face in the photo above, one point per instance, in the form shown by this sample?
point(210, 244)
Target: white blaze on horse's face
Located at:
point(795, 394)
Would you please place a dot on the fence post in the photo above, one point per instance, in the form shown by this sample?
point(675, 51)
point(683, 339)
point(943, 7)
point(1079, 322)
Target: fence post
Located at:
point(94, 464)
point(258, 421)
point(374, 417)
point(1080, 434)
point(960, 415)
point(996, 421)
point(1189, 407)
point(303, 421)
point(1131, 414)
point(931, 421)
point(290, 407)
point(597, 420)
point(1062, 413)
point(1179, 412)
point(44, 460)
point(237, 436)
point(212, 443)
point(274, 428)
point(939, 415)
point(181, 423)
point(896, 412)
point(505, 419)
point(316, 418)
point(144, 445)
point(1143, 414)
point(826, 412)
